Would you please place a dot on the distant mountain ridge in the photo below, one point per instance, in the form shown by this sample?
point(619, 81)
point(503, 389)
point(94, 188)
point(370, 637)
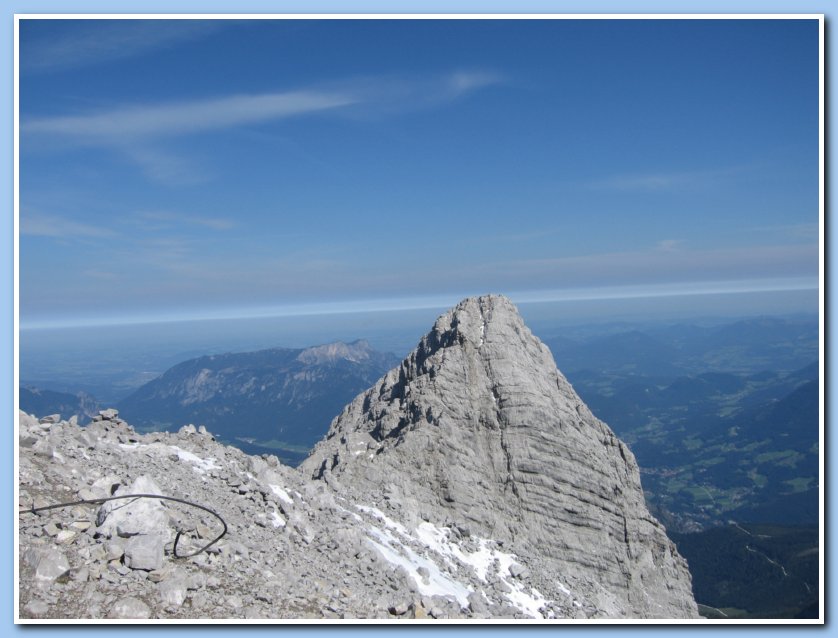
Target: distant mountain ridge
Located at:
point(746, 346)
point(40, 401)
point(283, 398)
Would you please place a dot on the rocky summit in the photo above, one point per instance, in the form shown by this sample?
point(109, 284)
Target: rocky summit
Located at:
point(469, 482)
point(478, 430)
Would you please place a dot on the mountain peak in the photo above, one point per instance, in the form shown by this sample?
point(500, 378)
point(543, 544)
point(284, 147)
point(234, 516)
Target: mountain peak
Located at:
point(478, 429)
point(473, 318)
point(355, 351)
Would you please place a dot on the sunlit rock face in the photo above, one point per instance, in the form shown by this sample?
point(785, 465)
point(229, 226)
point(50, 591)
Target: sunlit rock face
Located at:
point(477, 430)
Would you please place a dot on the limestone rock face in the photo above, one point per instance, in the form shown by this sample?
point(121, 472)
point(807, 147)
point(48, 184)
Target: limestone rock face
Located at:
point(478, 431)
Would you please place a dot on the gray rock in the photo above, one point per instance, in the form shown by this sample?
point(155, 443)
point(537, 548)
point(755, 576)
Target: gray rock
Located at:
point(106, 485)
point(518, 571)
point(80, 574)
point(130, 608)
point(36, 608)
point(477, 604)
point(114, 550)
point(87, 439)
point(173, 590)
point(52, 418)
point(108, 414)
point(52, 563)
point(129, 517)
point(144, 551)
point(27, 421)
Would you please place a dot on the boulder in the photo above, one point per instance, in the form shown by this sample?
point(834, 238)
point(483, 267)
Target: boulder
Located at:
point(144, 551)
point(52, 563)
point(130, 517)
point(130, 607)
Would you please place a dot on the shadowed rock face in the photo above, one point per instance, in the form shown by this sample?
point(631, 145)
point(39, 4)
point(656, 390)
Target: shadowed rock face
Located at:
point(478, 430)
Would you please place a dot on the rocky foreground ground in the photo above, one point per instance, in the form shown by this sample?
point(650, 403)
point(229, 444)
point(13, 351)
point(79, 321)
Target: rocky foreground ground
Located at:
point(471, 481)
point(293, 549)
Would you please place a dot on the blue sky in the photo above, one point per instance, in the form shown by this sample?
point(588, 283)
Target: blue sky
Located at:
point(233, 168)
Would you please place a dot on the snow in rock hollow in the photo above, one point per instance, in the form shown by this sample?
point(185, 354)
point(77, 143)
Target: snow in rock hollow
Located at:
point(436, 583)
point(281, 493)
point(394, 544)
point(201, 466)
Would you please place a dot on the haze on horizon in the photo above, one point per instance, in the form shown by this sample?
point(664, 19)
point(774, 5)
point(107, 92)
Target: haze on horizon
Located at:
point(230, 168)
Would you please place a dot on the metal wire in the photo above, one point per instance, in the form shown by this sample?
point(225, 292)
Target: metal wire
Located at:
point(99, 501)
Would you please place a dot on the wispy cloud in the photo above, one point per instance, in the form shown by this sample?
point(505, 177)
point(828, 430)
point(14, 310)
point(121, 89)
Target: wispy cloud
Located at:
point(669, 245)
point(648, 182)
point(660, 181)
point(106, 41)
point(168, 219)
point(101, 275)
point(399, 94)
point(467, 81)
point(132, 124)
point(141, 122)
point(666, 263)
point(164, 167)
point(139, 131)
point(39, 224)
point(790, 231)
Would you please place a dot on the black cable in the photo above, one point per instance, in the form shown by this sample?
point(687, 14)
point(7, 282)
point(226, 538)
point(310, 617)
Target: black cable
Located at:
point(99, 501)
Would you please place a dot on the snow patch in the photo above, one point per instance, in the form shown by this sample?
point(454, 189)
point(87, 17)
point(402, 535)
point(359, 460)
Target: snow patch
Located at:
point(530, 603)
point(393, 543)
point(436, 583)
point(201, 465)
point(281, 493)
point(528, 599)
point(481, 559)
point(277, 521)
point(389, 522)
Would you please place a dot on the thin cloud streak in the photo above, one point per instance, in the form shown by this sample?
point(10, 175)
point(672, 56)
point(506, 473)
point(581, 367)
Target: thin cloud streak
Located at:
point(40, 225)
point(107, 41)
point(167, 219)
point(678, 264)
point(164, 168)
point(142, 123)
point(467, 81)
point(138, 131)
point(661, 181)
